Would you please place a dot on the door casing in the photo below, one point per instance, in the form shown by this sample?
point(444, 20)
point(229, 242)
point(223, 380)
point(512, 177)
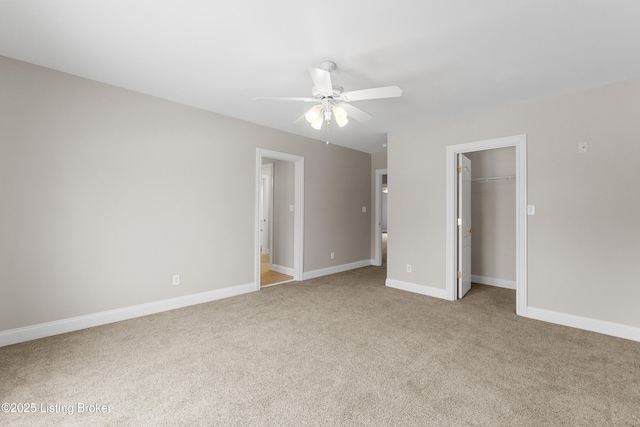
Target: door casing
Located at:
point(298, 202)
point(520, 144)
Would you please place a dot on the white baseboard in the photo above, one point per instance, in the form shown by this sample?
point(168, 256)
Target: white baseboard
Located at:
point(418, 289)
point(335, 269)
point(500, 283)
point(282, 270)
point(27, 333)
point(593, 325)
point(602, 327)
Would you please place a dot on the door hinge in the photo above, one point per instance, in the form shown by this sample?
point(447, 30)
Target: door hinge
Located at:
point(459, 169)
point(459, 274)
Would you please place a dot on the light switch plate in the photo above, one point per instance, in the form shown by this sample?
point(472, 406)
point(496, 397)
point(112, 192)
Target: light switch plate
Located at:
point(531, 209)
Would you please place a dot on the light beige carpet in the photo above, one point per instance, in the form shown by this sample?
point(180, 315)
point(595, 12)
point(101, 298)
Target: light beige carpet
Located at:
point(338, 350)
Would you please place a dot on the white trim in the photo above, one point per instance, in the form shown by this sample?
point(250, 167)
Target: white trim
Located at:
point(417, 289)
point(520, 143)
point(27, 333)
point(298, 218)
point(281, 269)
point(377, 225)
point(491, 281)
point(593, 325)
point(336, 269)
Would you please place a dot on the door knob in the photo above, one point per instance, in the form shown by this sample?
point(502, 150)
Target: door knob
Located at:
point(471, 230)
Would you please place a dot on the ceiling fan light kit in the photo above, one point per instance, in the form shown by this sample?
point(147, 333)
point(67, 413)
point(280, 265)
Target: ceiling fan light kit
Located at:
point(340, 115)
point(333, 101)
point(315, 117)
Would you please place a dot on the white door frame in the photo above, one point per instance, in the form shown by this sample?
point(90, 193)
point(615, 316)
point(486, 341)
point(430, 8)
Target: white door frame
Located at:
point(520, 143)
point(298, 217)
point(377, 251)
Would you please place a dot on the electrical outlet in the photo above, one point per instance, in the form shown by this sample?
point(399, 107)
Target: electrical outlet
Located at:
point(333, 255)
point(408, 268)
point(176, 279)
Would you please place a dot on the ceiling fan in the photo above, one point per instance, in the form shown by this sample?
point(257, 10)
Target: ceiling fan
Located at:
point(332, 100)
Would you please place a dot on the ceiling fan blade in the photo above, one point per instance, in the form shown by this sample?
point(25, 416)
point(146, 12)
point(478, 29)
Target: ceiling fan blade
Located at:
point(374, 93)
point(322, 81)
point(299, 119)
point(355, 112)
point(267, 98)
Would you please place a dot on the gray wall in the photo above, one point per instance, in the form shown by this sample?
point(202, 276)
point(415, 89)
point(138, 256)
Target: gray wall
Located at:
point(283, 224)
point(582, 250)
point(107, 193)
point(493, 215)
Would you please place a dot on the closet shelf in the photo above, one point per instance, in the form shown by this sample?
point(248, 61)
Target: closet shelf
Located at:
point(495, 179)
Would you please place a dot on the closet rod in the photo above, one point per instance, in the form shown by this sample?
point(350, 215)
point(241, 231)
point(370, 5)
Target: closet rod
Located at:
point(495, 179)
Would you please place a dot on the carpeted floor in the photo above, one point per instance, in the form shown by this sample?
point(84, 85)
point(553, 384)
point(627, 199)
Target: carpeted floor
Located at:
point(337, 350)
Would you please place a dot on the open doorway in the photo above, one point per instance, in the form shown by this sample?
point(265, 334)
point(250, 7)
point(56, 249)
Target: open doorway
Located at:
point(279, 217)
point(493, 201)
point(519, 142)
point(276, 222)
point(487, 221)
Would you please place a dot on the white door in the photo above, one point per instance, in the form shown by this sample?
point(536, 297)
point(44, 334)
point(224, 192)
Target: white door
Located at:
point(464, 225)
point(264, 212)
point(266, 209)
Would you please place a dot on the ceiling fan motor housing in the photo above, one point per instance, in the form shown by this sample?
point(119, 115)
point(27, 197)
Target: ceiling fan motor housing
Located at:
point(328, 66)
point(337, 92)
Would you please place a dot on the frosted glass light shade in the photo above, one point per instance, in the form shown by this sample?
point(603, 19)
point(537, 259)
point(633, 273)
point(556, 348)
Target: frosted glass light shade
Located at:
point(317, 123)
point(313, 114)
point(340, 115)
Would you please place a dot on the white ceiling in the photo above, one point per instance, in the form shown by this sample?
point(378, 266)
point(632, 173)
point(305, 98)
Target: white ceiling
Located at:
point(450, 57)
